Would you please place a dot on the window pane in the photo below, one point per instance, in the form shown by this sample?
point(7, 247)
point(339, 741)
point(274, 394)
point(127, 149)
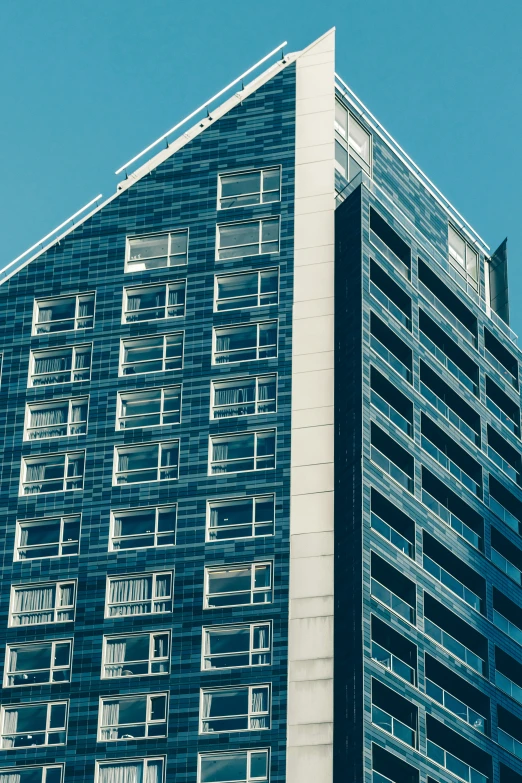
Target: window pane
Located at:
point(341, 119)
point(359, 140)
point(147, 247)
point(236, 234)
point(224, 768)
point(235, 184)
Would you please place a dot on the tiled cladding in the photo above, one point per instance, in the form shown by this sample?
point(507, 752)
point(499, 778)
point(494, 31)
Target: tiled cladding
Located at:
point(181, 192)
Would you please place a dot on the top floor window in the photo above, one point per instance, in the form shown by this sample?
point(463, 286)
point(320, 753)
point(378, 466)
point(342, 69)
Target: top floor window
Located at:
point(64, 313)
point(463, 257)
point(248, 238)
point(245, 188)
point(352, 144)
point(153, 251)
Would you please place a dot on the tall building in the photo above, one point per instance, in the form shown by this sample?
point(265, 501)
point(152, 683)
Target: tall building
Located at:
point(261, 486)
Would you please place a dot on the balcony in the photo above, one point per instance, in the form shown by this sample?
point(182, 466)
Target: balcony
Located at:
point(393, 415)
point(454, 764)
point(456, 706)
point(450, 415)
point(390, 358)
point(448, 363)
point(508, 686)
point(451, 519)
point(449, 581)
point(508, 568)
point(391, 469)
point(391, 535)
point(392, 601)
point(504, 466)
point(392, 663)
point(507, 626)
point(393, 726)
point(453, 646)
point(450, 466)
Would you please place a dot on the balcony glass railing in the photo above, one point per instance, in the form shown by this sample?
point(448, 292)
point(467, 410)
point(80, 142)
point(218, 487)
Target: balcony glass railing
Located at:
point(450, 519)
point(447, 315)
point(454, 764)
point(399, 265)
point(391, 413)
point(504, 466)
point(510, 743)
point(392, 663)
point(508, 686)
point(453, 646)
point(392, 601)
point(391, 535)
point(449, 581)
point(503, 371)
point(507, 626)
point(503, 417)
point(503, 514)
point(378, 778)
point(390, 358)
point(456, 706)
point(393, 726)
point(450, 466)
point(391, 468)
point(508, 568)
point(449, 414)
point(390, 306)
point(448, 363)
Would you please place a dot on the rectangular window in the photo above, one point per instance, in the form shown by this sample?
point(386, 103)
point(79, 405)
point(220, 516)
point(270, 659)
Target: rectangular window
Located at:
point(148, 302)
point(238, 585)
point(60, 365)
point(47, 774)
point(352, 144)
point(243, 396)
point(146, 462)
point(463, 257)
point(136, 655)
point(37, 604)
point(49, 537)
point(139, 594)
point(149, 408)
point(231, 646)
point(63, 313)
point(240, 518)
point(238, 766)
point(56, 418)
point(133, 717)
point(245, 342)
point(52, 473)
point(242, 452)
point(151, 354)
point(245, 188)
point(37, 663)
point(246, 289)
point(235, 709)
point(150, 770)
point(153, 251)
point(143, 527)
point(32, 725)
point(248, 238)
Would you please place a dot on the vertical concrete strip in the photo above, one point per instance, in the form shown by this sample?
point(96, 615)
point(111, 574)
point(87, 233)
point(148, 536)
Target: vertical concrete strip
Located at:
point(310, 647)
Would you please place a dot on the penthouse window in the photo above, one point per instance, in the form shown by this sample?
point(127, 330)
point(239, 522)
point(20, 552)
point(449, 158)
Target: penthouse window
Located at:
point(139, 528)
point(139, 594)
point(238, 766)
point(246, 289)
point(146, 462)
point(149, 302)
point(32, 725)
point(352, 144)
point(60, 365)
point(64, 313)
point(133, 717)
point(243, 396)
point(56, 418)
point(52, 473)
point(136, 655)
point(240, 518)
point(47, 774)
point(37, 663)
point(235, 709)
point(233, 646)
point(245, 342)
point(246, 188)
point(152, 354)
point(153, 251)
point(240, 452)
point(463, 257)
point(49, 537)
point(238, 585)
point(151, 770)
point(38, 604)
point(247, 238)
point(149, 408)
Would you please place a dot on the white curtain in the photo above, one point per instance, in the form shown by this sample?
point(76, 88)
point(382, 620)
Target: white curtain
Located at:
point(52, 363)
point(261, 638)
point(78, 412)
point(115, 654)
point(123, 462)
point(162, 590)
point(110, 717)
point(234, 395)
point(177, 295)
point(126, 772)
point(85, 308)
point(153, 772)
point(10, 726)
point(133, 302)
point(125, 591)
point(81, 361)
point(10, 777)
point(219, 451)
point(45, 314)
point(47, 417)
point(259, 704)
point(222, 342)
point(207, 703)
point(66, 595)
point(13, 658)
point(35, 471)
point(34, 602)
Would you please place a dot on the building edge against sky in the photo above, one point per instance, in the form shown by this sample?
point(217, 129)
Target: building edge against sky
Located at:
point(278, 320)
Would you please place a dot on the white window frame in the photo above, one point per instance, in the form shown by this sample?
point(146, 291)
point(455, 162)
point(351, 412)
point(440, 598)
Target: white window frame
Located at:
point(258, 348)
point(68, 457)
point(125, 312)
point(253, 590)
point(157, 534)
point(148, 721)
point(46, 642)
point(469, 251)
point(56, 609)
point(225, 501)
point(261, 191)
point(344, 141)
point(77, 317)
point(240, 306)
point(139, 759)
point(154, 599)
point(163, 360)
point(256, 379)
point(69, 403)
point(62, 520)
point(74, 349)
point(151, 659)
point(159, 467)
point(249, 249)
point(251, 652)
point(250, 715)
point(255, 457)
point(48, 730)
point(161, 413)
point(151, 235)
point(238, 751)
point(42, 767)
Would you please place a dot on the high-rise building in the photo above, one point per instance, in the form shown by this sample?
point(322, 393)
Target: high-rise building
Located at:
point(261, 487)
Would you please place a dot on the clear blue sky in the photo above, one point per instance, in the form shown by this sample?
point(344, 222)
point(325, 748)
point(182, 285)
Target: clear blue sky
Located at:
point(85, 85)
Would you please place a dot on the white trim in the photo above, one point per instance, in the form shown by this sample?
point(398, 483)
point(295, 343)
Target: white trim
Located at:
point(238, 172)
point(223, 501)
point(76, 317)
point(155, 533)
point(250, 714)
point(143, 759)
point(240, 627)
point(161, 411)
point(147, 696)
point(260, 221)
point(258, 272)
point(152, 600)
point(130, 237)
point(50, 643)
point(255, 456)
point(163, 337)
point(51, 403)
point(234, 567)
point(246, 324)
point(150, 634)
point(159, 284)
point(42, 767)
point(246, 751)
point(52, 349)
point(255, 402)
point(47, 730)
point(62, 519)
point(29, 458)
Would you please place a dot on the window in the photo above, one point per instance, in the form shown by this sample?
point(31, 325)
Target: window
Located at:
point(391, 348)
point(392, 458)
point(393, 651)
point(390, 295)
point(463, 257)
point(390, 587)
point(230, 646)
point(240, 518)
point(150, 770)
point(248, 238)
point(36, 604)
point(502, 407)
point(391, 523)
point(37, 663)
point(456, 694)
point(446, 350)
point(243, 396)
point(142, 527)
point(152, 354)
point(56, 418)
point(507, 458)
point(136, 655)
point(50, 537)
point(457, 637)
point(63, 313)
point(148, 302)
point(390, 244)
point(238, 585)
point(449, 507)
point(394, 714)
point(245, 188)
point(245, 342)
point(60, 365)
point(146, 462)
point(246, 289)
point(386, 397)
point(52, 473)
point(238, 766)
point(235, 709)
point(153, 251)
point(32, 725)
point(51, 774)
point(500, 358)
point(242, 452)
point(352, 144)
point(149, 408)
point(449, 403)
point(452, 457)
point(448, 305)
point(133, 717)
point(449, 569)
point(139, 594)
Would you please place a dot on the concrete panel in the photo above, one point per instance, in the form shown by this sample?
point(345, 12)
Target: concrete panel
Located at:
point(308, 479)
point(313, 417)
point(311, 544)
point(313, 204)
point(313, 669)
point(312, 179)
point(311, 577)
point(313, 513)
point(321, 152)
point(312, 446)
point(314, 81)
point(314, 335)
point(320, 606)
point(323, 254)
point(310, 735)
point(313, 308)
point(313, 390)
point(311, 105)
point(309, 638)
point(316, 130)
point(310, 702)
point(314, 283)
point(312, 361)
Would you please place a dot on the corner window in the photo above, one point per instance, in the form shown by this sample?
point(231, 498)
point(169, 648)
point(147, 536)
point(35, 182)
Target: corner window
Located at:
point(47, 774)
point(246, 289)
point(235, 709)
point(231, 646)
point(63, 313)
point(149, 408)
point(149, 302)
point(240, 518)
point(136, 655)
point(139, 594)
point(352, 144)
point(49, 537)
point(143, 527)
point(133, 717)
point(248, 238)
point(60, 365)
point(153, 251)
point(463, 257)
point(238, 585)
point(243, 396)
point(238, 766)
point(150, 770)
point(245, 342)
point(38, 663)
point(32, 725)
point(56, 418)
point(242, 452)
point(245, 188)
point(52, 473)
point(152, 354)
point(38, 604)
point(146, 462)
